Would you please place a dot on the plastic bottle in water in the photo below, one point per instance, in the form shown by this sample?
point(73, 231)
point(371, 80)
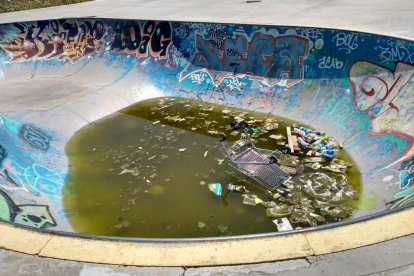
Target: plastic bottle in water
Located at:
point(306, 130)
point(329, 152)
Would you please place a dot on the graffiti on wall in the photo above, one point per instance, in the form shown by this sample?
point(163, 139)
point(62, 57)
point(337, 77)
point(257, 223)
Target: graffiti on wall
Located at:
point(395, 51)
point(34, 137)
point(346, 42)
point(33, 178)
point(61, 39)
point(387, 97)
point(273, 60)
point(254, 67)
point(152, 38)
point(37, 216)
point(26, 171)
point(406, 178)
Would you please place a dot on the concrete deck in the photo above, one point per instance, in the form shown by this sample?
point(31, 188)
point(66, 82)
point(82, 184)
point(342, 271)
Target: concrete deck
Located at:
point(388, 258)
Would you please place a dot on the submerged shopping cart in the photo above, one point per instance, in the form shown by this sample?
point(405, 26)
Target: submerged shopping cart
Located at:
point(258, 164)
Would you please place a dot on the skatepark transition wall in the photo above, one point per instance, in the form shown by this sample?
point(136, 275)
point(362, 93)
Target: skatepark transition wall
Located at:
point(57, 76)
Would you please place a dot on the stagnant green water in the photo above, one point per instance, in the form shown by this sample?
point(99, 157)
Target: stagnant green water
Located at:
point(144, 172)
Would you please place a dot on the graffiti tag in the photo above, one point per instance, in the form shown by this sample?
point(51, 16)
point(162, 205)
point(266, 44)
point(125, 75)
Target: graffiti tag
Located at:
point(63, 39)
point(153, 38)
point(34, 137)
point(346, 41)
point(274, 60)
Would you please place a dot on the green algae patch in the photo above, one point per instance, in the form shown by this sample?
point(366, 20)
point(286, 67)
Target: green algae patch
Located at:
point(147, 171)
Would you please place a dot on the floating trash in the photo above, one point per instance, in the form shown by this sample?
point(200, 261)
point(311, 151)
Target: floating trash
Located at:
point(283, 224)
point(280, 210)
point(222, 228)
point(277, 136)
point(215, 188)
point(271, 126)
point(173, 152)
point(250, 199)
point(237, 188)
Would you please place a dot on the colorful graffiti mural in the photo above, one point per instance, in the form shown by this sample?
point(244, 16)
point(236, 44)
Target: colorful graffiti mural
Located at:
point(153, 38)
point(358, 86)
point(23, 169)
point(386, 96)
point(64, 39)
point(37, 216)
point(406, 177)
point(274, 60)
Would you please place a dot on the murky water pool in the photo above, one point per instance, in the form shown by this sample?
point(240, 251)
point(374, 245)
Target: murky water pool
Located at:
point(144, 172)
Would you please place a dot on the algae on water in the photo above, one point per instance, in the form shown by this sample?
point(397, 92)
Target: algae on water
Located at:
point(145, 172)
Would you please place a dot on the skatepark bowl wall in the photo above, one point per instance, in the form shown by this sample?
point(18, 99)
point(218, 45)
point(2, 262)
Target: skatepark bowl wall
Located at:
point(57, 76)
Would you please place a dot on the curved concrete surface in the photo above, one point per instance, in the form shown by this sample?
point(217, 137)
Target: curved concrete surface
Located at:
point(59, 75)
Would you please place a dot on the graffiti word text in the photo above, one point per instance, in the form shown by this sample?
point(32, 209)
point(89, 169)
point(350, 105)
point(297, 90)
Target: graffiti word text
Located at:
point(272, 60)
point(153, 38)
point(34, 137)
point(330, 63)
point(346, 41)
point(61, 39)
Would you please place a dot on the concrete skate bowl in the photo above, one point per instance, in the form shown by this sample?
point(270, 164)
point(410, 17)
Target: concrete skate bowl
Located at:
point(57, 76)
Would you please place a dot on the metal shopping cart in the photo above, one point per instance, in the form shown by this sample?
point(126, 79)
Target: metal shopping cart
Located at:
point(258, 164)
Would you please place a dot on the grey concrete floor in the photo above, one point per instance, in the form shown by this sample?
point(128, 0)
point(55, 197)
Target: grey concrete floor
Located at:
point(395, 257)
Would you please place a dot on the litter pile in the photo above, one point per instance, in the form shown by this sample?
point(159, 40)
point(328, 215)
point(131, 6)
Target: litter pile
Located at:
point(318, 143)
point(319, 189)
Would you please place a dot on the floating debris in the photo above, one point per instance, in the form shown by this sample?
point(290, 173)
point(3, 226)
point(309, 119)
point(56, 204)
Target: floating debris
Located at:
point(215, 188)
point(250, 199)
point(201, 225)
point(288, 160)
point(314, 166)
point(318, 192)
point(335, 168)
point(222, 228)
point(237, 188)
point(282, 224)
point(134, 171)
point(277, 136)
point(280, 210)
point(270, 126)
